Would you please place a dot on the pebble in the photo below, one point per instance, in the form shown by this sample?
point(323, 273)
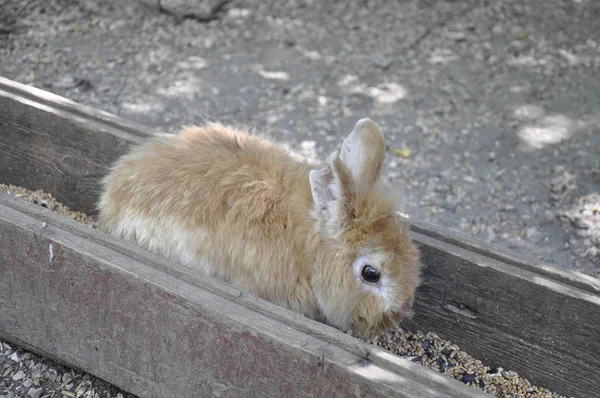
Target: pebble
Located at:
point(456, 36)
point(66, 82)
point(15, 357)
point(382, 61)
point(20, 375)
point(28, 383)
point(35, 392)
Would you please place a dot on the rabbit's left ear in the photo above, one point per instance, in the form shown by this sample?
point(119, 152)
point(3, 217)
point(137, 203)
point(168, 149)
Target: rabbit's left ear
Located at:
point(333, 194)
point(363, 152)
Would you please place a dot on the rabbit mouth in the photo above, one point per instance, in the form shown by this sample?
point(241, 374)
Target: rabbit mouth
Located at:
point(386, 322)
point(391, 319)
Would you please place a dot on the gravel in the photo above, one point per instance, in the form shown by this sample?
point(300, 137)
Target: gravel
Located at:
point(21, 369)
point(27, 375)
point(584, 219)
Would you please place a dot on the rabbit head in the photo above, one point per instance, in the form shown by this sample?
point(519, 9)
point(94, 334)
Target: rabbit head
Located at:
point(366, 269)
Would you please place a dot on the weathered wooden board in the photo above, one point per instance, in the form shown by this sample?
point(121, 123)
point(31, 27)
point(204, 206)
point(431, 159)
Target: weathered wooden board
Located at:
point(51, 143)
point(155, 329)
point(503, 307)
point(512, 317)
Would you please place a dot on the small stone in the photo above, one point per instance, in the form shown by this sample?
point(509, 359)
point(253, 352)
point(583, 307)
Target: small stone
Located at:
point(531, 232)
point(491, 235)
point(203, 10)
point(35, 392)
point(65, 82)
point(456, 36)
point(28, 383)
point(20, 375)
point(15, 357)
point(382, 61)
point(51, 375)
point(71, 82)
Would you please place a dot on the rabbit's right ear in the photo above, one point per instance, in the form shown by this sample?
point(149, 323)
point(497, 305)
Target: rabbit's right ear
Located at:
point(333, 194)
point(363, 152)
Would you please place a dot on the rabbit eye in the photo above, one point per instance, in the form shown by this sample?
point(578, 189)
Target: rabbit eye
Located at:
point(370, 274)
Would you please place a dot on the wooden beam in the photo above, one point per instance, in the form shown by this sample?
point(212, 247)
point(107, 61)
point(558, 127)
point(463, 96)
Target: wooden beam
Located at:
point(501, 306)
point(156, 329)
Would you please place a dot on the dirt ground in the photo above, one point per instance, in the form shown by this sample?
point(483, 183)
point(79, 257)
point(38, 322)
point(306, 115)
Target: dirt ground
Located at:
point(490, 108)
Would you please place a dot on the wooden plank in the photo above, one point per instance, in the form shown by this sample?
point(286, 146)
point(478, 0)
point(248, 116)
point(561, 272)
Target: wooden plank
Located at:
point(156, 329)
point(502, 306)
point(44, 137)
point(512, 317)
point(508, 256)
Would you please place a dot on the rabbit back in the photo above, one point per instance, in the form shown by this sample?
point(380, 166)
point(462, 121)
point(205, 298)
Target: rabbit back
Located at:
point(216, 199)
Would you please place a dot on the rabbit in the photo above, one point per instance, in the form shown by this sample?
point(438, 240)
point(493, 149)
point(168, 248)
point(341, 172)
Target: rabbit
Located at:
point(326, 242)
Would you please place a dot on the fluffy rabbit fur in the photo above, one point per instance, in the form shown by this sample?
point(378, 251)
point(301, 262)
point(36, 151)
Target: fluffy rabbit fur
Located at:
point(239, 208)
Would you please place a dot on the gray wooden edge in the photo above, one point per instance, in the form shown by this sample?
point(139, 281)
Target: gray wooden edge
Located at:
point(155, 328)
point(524, 261)
point(503, 307)
point(82, 113)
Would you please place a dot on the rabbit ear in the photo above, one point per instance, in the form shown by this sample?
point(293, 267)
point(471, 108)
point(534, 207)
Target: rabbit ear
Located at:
point(332, 189)
point(363, 152)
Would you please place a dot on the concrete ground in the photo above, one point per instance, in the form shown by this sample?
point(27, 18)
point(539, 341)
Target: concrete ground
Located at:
point(490, 108)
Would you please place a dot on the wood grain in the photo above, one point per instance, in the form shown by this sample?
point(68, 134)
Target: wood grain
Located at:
point(508, 256)
point(499, 305)
point(156, 329)
point(512, 317)
point(51, 143)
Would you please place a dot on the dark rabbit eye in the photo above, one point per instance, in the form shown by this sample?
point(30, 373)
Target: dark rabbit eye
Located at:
point(370, 274)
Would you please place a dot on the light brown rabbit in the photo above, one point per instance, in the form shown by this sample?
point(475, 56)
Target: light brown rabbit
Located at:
point(327, 243)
